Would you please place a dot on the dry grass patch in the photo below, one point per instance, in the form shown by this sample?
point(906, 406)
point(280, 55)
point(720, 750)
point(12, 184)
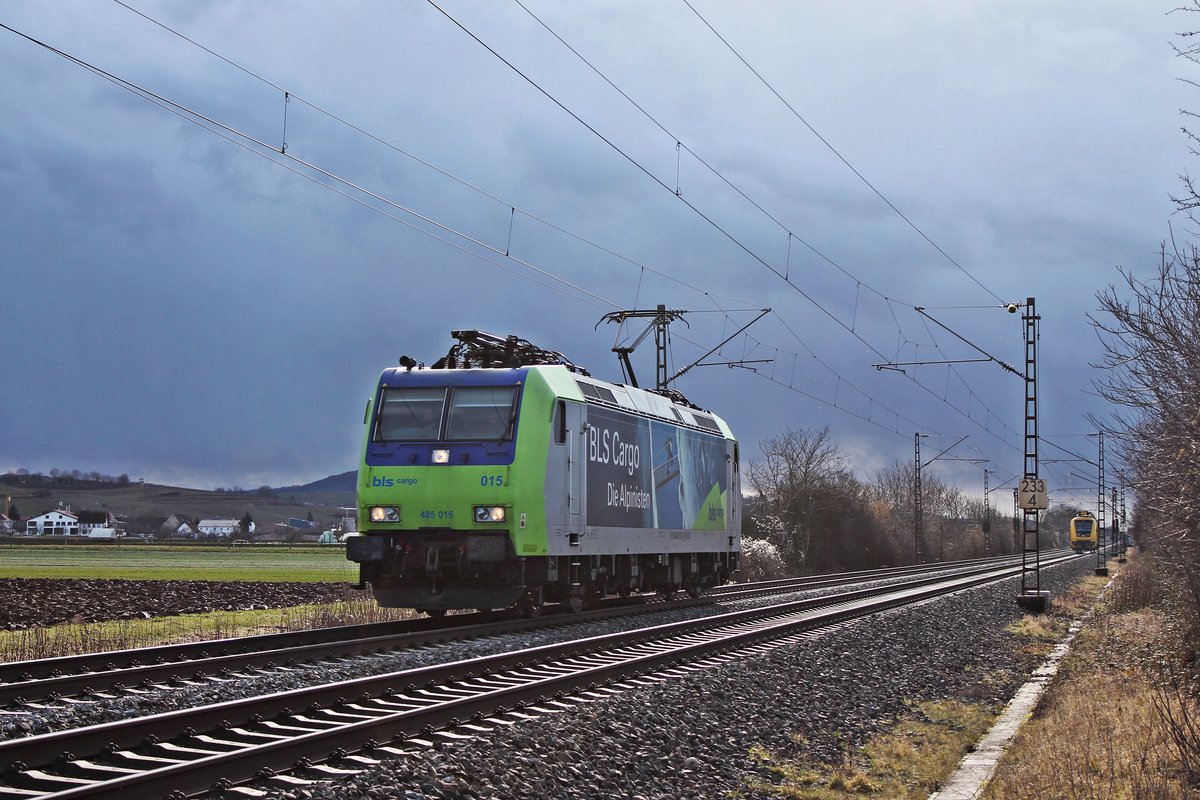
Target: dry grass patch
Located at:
point(97, 637)
point(1096, 733)
point(1045, 630)
point(909, 762)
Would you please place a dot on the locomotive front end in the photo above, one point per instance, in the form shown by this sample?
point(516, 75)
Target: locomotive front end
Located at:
point(442, 507)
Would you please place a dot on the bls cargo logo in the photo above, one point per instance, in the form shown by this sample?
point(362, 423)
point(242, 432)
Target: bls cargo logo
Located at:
point(384, 482)
point(605, 447)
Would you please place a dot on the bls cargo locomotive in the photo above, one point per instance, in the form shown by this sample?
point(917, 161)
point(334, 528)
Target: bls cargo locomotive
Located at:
point(1084, 532)
point(506, 476)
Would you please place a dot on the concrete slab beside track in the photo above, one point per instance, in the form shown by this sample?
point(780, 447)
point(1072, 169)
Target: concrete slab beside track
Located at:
point(976, 768)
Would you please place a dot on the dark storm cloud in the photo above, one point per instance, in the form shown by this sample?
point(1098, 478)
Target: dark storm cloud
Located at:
point(220, 319)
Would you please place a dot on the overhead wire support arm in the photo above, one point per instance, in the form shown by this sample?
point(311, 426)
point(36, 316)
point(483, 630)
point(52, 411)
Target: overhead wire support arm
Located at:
point(947, 450)
point(726, 341)
point(896, 365)
point(921, 310)
point(740, 363)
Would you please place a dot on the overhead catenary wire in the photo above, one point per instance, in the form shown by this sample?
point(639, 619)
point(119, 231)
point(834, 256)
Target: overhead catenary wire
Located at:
point(1003, 440)
point(716, 172)
point(215, 126)
point(839, 156)
point(270, 153)
point(513, 208)
point(251, 143)
point(649, 116)
point(658, 181)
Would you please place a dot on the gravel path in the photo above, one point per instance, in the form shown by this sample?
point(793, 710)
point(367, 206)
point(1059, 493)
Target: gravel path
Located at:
point(682, 738)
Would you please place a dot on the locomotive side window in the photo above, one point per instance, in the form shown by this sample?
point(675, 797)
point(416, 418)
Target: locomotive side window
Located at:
point(482, 413)
point(410, 414)
point(560, 422)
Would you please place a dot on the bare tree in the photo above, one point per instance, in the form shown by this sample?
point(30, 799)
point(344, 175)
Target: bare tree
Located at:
point(1152, 373)
point(892, 502)
point(795, 467)
point(811, 507)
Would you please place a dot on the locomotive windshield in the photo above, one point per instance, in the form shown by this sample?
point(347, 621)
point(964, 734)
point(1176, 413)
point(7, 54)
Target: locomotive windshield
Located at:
point(481, 413)
point(420, 414)
point(1083, 526)
point(411, 414)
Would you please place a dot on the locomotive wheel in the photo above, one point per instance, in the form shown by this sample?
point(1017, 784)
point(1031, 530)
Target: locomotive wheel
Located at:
point(531, 603)
point(693, 586)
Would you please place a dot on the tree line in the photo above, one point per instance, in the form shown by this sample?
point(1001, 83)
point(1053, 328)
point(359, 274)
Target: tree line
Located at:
point(61, 477)
point(807, 512)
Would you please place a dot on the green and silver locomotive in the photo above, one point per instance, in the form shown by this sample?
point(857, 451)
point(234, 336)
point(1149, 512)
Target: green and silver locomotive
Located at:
point(506, 476)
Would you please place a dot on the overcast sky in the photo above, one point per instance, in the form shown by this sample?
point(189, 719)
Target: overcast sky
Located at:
point(185, 304)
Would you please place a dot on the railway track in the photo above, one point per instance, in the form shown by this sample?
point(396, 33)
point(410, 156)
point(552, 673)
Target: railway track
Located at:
point(103, 674)
point(227, 745)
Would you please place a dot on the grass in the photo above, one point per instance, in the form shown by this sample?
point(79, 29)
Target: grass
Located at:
point(148, 562)
point(1096, 733)
point(96, 637)
point(1104, 727)
point(922, 750)
point(1043, 631)
point(909, 762)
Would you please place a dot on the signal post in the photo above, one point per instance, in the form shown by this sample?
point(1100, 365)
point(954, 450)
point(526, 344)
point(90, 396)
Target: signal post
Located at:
point(1032, 495)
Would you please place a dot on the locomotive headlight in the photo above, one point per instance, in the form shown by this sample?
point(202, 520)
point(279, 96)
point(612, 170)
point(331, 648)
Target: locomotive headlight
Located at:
point(490, 514)
point(385, 513)
point(440, 457)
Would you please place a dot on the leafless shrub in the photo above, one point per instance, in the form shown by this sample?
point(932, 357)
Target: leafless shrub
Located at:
point(1135, 586)
point(1177, 716)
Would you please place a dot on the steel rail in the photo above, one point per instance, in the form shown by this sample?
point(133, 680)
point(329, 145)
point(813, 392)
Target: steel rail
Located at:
point(453, 692)
point(32, 681)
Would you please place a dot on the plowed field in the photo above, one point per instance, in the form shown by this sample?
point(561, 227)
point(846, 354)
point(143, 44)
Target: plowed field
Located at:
point(33, 602)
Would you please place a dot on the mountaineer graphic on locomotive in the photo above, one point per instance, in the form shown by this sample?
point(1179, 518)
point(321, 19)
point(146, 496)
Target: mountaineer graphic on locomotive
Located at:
point(507, 476)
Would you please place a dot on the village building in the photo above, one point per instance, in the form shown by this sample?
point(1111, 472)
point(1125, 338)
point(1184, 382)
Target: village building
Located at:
point(170, 525)
point(53, 523)
point(218, 527)
point(98, 524)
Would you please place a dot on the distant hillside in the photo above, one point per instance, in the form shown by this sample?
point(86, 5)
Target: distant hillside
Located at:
point(147, 505)
point(334, 491)
point(343, 482)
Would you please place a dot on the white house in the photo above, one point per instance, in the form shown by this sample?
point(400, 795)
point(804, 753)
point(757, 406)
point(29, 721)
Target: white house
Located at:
point(53, 523)
point(218, 527)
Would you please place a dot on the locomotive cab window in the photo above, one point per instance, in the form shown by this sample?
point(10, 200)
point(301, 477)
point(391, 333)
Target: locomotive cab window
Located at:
point(486, 413)
point(560, 422)
point(1083, 526)
point(410, 414)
